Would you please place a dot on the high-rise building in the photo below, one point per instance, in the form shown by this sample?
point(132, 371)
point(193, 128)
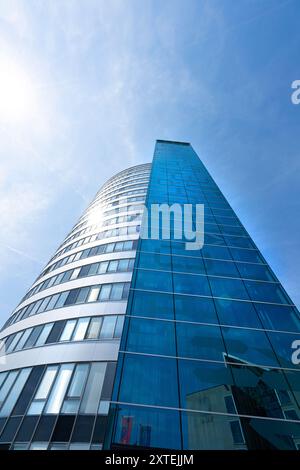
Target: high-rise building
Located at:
point(205, 357)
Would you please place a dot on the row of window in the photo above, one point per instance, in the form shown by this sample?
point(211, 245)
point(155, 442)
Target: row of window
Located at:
point(67, 388)
point(125, 184)
point(173, 429)
point(115, 232)
point(209, 239)
point(215, 311)
point(144, 170)
point(130, 173)
point(121, 191)
point(216, 252)
point(206, 266)
point(100, 215)
point(259, 291)
point(96, 293)
point(78, 329)
point(210, 342)
point(105, 208)
point(122, 194)
point(103, 267)
point(113, 247)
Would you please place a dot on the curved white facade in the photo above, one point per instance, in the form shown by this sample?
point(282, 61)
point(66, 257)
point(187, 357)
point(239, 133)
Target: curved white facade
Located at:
point(66, 329)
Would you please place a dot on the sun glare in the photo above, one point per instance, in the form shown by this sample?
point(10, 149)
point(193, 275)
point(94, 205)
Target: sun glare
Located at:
point(17, 94)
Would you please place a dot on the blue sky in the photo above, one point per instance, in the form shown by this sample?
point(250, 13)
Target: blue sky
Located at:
point(108, 78)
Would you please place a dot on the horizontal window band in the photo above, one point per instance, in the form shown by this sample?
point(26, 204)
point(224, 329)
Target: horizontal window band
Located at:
point(214, 361)
point(220, 325)
point(137, 268)
point(211, 297)
point(203, 412)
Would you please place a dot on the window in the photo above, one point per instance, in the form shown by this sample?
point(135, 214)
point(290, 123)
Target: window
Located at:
point(92, 393)
point(23, 340)
point(279, 317)
point(52, 302)
point(113, 266)
point(93, 295)
point(7, 385)
point(228, 288)
point(233, 312)
point(151, 336)
point(76, 387)
point(108, 327)
point(119, 326)
point(252, 256)
point(203, 384)
point(72, 296)
point(249, 345)
point(149, 304)
point(14, 342)
point(152, 280)
point(80, 329)
point(149, 380)
point(116, 292)
point(255, 271)
point(197, 309)
point(44, 334)
point(59, 388)
point(94, 328)
point(33, 336)
point(105, 292)
point(102, 267)
point(147, 427)
point(221, 268)
point(15, 391)
point(191, 284)
point(42, 393)
point(199, 341)
point(61, 299)
point(82, 296)
point(266, 292)
point(68, 330)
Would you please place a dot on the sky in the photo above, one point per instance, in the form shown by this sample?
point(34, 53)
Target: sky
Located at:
point(86, 87)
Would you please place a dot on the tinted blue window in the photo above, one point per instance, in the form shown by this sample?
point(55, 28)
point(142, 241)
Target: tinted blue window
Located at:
point(191, 284)
point(216, 252)
point(228, 288)
point(255, 271)
point(151, 336)
point(147, 427)
point(259, 390)
point(249, 345)
point(204, 431)
point(233, 312)
point(266, 292)
point(154, 261)
point(277, 317)
point(197, 309)
point(156, 246)
point(179, 248)
point(153, 280)
point(213, 239)
point(203, 385)
point(198, 341)
point(243, 242)
point(252, 256)
point(221, 268)
point(188, 264)
point(152, 304)
point(149, 380)
point(282, 343)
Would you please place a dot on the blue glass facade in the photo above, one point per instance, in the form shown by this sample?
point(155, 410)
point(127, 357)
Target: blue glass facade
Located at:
point(205, 355)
